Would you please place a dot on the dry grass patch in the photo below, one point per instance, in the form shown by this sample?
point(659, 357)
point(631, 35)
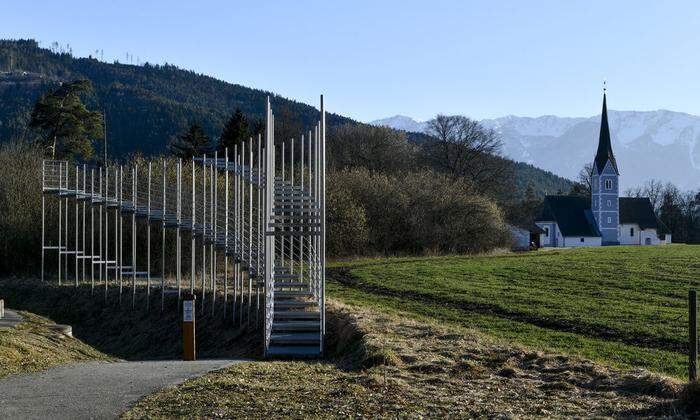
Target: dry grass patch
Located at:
point(387, 366)
point(34, 346)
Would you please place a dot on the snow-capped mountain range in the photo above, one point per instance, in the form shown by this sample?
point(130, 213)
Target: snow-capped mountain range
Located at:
point(660, 144)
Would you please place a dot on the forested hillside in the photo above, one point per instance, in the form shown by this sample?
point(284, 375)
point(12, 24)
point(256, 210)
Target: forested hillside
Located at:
point(148, 105)
point(145, 105)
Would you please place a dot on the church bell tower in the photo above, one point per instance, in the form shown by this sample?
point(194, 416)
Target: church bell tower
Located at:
point(605, 187)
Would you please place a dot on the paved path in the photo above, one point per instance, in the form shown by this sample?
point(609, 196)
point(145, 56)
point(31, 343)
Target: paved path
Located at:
point(94, 390)
point(10, 320)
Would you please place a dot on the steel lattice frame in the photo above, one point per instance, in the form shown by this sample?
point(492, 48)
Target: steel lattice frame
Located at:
point(254, 212)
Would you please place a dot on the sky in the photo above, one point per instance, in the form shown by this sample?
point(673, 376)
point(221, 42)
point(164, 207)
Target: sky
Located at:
point(374, 59)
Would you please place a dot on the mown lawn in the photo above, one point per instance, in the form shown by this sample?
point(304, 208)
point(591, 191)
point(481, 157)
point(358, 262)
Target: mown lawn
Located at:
point(625, 306)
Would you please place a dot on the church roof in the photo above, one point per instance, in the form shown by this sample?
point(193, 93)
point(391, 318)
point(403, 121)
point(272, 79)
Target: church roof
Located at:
point(641, 212)
point(572, 214)
point(605, 152)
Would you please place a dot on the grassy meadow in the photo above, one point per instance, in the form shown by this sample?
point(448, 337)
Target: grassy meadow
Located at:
point(623, 306)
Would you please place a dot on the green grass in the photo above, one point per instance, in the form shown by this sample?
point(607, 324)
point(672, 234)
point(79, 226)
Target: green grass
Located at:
point(625, 306)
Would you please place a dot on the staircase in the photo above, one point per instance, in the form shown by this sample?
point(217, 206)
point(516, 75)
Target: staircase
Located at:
point(296, 324)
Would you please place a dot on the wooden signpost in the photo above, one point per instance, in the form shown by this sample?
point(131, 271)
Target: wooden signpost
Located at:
point(188, 330)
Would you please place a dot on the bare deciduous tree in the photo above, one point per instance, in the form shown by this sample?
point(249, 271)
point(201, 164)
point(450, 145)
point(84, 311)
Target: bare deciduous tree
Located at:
point(653, 188)
point(465, 149)
point(584, 178)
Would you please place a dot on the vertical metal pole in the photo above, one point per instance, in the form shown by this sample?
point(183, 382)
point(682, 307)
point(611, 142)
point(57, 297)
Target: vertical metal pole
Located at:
point(92, 231)
point(693, 335)
point(162, 244)
point(235, 232)
point(43, 216)
point(77, 171)
point(239, 234)
point(225, 231)
point(257, 238)
point(117, 228)
point(85, 255)
point(99, 208)
point(250, 227)
point(204, 230)
point(192, 236)
point(134, 199)
point(309, 238)
point(303, 203)
point(178, 242)
point(284, 177)
point(65, 229)
point(291, 182)
point(106, 256)
point(214, 219)
point(148, 242)
point(323, 222)
point(119, 239)
point(60, 218)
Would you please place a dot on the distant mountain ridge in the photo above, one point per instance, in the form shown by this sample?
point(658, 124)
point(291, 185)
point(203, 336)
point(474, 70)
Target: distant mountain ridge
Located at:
point(647, 144)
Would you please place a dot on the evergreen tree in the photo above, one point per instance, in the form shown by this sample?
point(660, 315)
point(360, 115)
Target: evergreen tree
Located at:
point(66, 126)
point(235, 131)
point(258, 126)
point(194, 142)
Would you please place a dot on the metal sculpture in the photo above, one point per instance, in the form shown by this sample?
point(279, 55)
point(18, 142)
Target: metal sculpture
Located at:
point(254, 212)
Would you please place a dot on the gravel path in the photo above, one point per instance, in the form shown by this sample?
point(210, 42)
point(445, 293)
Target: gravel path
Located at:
point(95, 390)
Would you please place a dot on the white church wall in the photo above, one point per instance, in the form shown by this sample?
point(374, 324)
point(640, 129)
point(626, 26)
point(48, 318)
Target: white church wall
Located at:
point(550, 239)
point(630, 234)
point(649, 237)
point(582, 241)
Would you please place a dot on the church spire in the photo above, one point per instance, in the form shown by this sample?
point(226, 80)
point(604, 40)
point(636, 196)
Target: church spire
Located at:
point(605, 152)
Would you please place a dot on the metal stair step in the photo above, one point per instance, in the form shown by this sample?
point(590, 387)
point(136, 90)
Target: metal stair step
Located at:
point(291, 284)
point(295, 338)
point(297, 315)
point(281, 276)
point(294, 304)
point(293, 293)
point(296, 326)
point(294, 351)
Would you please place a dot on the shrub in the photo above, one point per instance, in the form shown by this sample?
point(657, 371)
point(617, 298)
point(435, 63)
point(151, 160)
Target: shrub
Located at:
point(422, 211)
point(346, 222)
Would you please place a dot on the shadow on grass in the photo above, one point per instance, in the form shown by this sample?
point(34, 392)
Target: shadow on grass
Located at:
point(132, 334)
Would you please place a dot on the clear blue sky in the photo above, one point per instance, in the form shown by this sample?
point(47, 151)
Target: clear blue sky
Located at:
point(375, 59)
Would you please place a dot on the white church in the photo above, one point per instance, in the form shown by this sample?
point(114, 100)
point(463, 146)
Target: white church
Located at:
point(605, 218)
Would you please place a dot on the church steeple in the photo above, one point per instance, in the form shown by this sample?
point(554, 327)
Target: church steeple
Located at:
point(605, 152)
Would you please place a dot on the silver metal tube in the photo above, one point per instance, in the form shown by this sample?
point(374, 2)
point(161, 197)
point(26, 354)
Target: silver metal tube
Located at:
point(225, 230)
point(119, 245)
point(134, 200)
point(204, 230)
point(162, 250)
point(178, 242)
point(60, 218)
point(76, 225)
point(192, 236)
point(148, 242)
point(215, 216)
